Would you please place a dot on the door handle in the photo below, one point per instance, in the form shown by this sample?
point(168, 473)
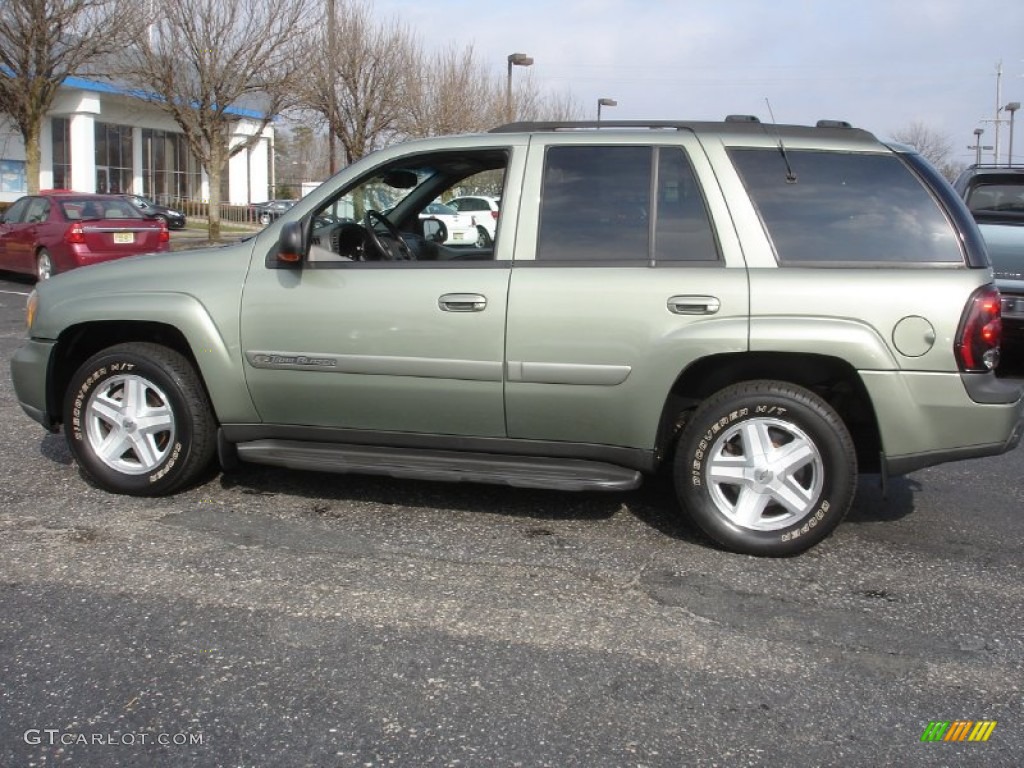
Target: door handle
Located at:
point(694, 305)
point(462, 302)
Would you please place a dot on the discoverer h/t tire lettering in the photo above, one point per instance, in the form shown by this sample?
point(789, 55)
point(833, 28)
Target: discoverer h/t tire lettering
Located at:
point(138, 421)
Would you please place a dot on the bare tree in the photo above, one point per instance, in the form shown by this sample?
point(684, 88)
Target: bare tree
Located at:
point(43, 42)
point(934, 147)
point(210, 64)
point(359, 76)
point(455, 93)
point(561, 106)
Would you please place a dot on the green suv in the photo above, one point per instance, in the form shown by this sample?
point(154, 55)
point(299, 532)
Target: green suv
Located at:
point(762, 310)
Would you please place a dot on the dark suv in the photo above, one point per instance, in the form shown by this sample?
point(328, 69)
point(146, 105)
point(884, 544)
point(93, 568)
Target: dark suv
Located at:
point(995, 196)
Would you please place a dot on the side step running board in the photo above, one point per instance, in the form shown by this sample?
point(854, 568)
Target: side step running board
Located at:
point(518, 471)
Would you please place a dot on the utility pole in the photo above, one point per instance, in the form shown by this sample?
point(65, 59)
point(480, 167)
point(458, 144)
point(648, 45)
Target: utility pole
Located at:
point(999, 106)
point(332, 29)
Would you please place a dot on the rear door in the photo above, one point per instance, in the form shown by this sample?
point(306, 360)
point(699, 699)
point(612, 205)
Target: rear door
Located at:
point(627, 269)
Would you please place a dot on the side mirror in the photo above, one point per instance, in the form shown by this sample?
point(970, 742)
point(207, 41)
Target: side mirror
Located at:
point(290, 248)
point(435, 230)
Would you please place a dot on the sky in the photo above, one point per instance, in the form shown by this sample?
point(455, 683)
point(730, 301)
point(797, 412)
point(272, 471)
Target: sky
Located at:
point(881, 65)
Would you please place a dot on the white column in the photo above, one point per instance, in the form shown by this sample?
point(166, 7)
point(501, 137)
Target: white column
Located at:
point(137, 160)
point(83, 152)
point(46, 155)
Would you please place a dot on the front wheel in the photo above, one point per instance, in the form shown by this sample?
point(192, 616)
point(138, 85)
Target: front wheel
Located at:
point(44, 265)
point(138, 421)
point(766, 468)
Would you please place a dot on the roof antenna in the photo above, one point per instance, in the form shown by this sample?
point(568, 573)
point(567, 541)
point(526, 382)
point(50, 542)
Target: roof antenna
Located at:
point(790, 176)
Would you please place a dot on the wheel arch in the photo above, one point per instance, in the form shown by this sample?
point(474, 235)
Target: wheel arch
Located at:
point(222, 381)
point(831, 378)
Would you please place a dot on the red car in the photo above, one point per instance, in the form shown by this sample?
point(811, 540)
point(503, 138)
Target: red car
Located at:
point(53, 232)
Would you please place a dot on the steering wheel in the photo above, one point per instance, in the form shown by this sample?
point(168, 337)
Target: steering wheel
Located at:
point(392, 248)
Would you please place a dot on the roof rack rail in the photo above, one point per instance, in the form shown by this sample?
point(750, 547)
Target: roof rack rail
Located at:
point(832, 124)
point(742, 119)
point(997, 166)
point(568, 126)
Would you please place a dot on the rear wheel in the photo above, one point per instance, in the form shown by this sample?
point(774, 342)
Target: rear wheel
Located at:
point(44, 265)
point(138, 420)
point(483, 239)
point(766, 468)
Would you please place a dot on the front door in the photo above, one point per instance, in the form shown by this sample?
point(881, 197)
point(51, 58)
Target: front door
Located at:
point(402, 338)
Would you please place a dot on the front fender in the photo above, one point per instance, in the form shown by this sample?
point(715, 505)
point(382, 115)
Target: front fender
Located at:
point(214, 346)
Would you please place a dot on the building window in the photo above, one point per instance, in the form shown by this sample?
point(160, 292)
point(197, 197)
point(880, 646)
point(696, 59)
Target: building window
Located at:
point(113, 158)
point(169, 170)
point(12, 176)
point(60, 128)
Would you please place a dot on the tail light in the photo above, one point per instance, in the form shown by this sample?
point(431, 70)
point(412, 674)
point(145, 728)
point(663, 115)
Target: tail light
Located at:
point(165, 235)
point(981, 329)
point(494, 215)
point(75, 235)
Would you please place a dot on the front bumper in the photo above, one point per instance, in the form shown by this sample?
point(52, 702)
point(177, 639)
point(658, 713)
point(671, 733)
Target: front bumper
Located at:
point(29, 372)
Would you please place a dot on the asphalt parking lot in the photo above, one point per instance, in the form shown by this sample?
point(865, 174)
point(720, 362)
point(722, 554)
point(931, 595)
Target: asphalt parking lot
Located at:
point(276, 618)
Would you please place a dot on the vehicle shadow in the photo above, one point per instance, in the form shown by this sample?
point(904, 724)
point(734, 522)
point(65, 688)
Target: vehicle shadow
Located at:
point(55, 448)
point(653, 503)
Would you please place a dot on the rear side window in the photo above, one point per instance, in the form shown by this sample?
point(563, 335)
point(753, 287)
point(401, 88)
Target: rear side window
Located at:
point(624, 204)
point(846, 208)
point(38, 210)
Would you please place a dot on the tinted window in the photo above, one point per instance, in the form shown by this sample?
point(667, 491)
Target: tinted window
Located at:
point(846, 207)
point(597, 207)
point(596, 204)
point(683, 231)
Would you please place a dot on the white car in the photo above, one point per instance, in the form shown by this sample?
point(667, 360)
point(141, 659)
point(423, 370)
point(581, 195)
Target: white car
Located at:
point(484, 213)
point(461, 230)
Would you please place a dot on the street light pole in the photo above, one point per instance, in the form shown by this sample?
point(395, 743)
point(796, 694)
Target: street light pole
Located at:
point(976, 146)
point(517, 60)
point(605, 103)
point(1012, 108)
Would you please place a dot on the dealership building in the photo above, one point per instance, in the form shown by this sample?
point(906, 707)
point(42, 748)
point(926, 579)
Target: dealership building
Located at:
point(99, 138)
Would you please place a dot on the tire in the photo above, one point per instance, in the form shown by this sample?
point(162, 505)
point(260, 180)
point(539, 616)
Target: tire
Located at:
point(162, 219)
point(138, 421)
point(765, 468)
point(265, 219)
point(44, 265)
point(483, 239)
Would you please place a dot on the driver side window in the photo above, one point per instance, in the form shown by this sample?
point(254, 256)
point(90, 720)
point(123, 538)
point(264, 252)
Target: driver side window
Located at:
point(400, 215)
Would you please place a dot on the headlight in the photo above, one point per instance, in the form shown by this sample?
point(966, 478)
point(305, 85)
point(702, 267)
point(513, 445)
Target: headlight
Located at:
point(30, 308)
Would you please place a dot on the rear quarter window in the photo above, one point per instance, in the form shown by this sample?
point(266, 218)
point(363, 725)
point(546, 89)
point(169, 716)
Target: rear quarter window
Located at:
point(846, 208)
